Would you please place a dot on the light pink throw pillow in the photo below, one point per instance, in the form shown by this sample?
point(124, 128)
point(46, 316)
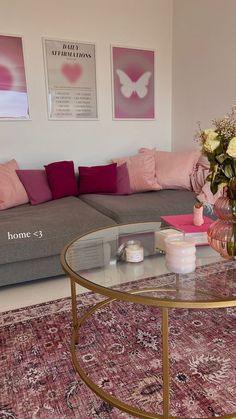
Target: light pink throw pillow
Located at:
point(206, 196)
point(141, 168)
point(202, 186)
point(173, 169)
point(199, 174)
point(12, 192)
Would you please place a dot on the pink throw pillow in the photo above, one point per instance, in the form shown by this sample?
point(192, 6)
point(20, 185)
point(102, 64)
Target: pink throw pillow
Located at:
point(141, 168)
point(206, 196)
point(97, 179)
point(199, 174)
point(203, 162)
point(198, 178)
point(61, 179)
point(173, 169)
point(202, 186)
point(12, 192)
point(123, 182)
point(36, 185)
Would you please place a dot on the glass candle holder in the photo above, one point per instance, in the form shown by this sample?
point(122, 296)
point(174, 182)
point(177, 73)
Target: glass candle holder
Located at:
point(180, 255)
point(134, 251)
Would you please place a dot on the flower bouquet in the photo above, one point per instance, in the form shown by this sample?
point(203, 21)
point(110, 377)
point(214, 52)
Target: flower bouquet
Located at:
point(219, 145)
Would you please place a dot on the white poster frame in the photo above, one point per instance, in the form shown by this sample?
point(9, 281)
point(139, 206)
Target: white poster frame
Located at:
point(76, 88)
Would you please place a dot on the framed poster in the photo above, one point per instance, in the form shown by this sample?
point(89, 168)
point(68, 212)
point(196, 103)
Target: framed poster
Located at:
point(14, 102)
point(71, 80)
point(133, 83)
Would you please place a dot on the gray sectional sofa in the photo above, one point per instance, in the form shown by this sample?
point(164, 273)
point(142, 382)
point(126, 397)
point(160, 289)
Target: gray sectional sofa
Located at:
point(32, 237)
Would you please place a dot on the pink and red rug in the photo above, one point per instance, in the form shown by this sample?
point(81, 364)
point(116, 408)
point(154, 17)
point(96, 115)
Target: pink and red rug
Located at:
point(120, 348)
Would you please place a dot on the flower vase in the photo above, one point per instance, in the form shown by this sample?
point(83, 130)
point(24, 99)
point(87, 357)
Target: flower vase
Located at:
point(222, 232)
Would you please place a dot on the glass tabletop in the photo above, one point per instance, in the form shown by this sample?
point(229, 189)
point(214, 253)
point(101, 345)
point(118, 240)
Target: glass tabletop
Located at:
point(104, 261)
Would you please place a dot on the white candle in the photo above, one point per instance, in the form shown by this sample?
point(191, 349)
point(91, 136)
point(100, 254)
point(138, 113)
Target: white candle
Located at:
point(180, 255)
point(134, 252)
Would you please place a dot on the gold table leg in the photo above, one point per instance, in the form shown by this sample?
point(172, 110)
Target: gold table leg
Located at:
point(74, 311)
point(165, 363)
point(177, 282)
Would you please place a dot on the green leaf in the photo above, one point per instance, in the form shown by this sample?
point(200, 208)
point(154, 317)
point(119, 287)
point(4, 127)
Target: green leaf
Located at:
point(214, 172)
point(222, 157)
point(214, 188)
point(228, 171)
point(209, 177)
point(219, 150)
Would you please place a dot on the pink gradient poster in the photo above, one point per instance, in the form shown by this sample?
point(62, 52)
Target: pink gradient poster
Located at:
point(71, 80)
point(133, 83)
point(13, 90)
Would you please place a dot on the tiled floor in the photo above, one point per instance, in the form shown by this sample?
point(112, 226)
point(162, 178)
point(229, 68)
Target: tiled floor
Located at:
point(34, 292)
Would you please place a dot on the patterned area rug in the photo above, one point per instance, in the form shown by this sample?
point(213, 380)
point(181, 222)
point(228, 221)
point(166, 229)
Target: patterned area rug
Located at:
point(120, 348)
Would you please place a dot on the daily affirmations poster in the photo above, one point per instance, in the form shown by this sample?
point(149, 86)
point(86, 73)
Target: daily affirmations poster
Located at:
point(71, 80)
point(133, 83)
point(13, 90)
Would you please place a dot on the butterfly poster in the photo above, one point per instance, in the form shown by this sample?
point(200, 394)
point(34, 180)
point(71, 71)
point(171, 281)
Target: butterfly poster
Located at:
point(133, 83)
point(13, 91)
point(71, 80)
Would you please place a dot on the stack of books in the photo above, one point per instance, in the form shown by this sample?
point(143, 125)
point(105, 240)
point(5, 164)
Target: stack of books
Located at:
point(185, 224)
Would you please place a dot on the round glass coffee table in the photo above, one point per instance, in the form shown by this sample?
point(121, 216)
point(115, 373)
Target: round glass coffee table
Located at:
point(98, 262)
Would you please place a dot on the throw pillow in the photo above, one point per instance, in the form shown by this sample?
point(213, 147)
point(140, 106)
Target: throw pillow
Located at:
point(36, 185)
point(202, 186)
point(12, 192)
point(199, 174)
point(206, 196)
point(173, 169)
point(123, 182)
point(98, 179)
point(61, 179)
point(141, 168)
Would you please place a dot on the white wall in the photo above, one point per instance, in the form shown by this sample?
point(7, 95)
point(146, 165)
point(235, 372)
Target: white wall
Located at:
point(204, 65)
point(125, 22)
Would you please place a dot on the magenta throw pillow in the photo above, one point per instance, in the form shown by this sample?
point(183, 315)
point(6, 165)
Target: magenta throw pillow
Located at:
point(123, 183)
point(98, 179)
point(61, 179)
point(36, 185)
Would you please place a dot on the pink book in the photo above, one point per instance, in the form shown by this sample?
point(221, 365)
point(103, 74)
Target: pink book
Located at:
point(185, 223)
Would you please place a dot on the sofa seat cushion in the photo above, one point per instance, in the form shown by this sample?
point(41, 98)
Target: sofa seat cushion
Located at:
point(145, 206)
point(30, 232)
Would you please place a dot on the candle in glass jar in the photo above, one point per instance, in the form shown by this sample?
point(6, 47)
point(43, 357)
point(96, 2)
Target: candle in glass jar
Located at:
point(134, 251)
point(180, 255)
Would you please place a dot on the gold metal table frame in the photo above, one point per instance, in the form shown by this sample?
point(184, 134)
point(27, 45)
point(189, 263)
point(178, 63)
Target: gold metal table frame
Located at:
point(136, 296)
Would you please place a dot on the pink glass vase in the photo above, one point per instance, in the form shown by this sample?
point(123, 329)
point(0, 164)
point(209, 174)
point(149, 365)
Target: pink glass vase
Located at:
point(222, 232)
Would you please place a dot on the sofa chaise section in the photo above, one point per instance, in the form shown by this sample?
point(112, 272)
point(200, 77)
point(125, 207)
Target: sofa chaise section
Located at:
point(32, 237)
point(147, 206)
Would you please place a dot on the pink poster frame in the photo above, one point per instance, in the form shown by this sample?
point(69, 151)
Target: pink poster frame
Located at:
point(14, 98)
point(133, 83)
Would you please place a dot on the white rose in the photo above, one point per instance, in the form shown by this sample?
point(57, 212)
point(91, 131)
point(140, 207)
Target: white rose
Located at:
point(231, 150)
point(211, 142)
